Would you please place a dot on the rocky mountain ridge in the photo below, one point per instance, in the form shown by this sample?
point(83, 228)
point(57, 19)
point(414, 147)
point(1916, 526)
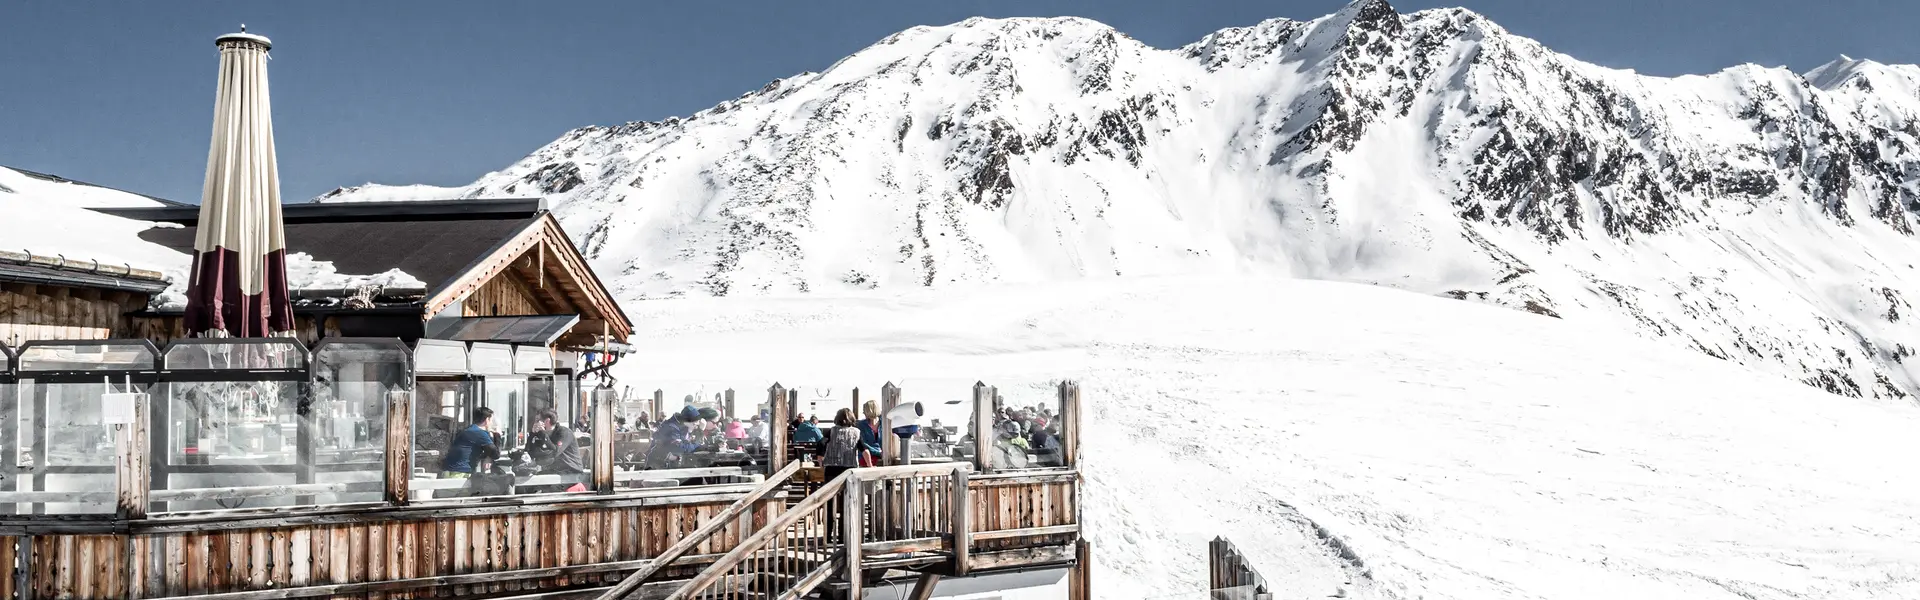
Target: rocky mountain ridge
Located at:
point(1757, 215)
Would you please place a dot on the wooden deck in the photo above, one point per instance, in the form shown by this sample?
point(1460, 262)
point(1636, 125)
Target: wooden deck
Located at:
point(512, 547)
point(768, 539)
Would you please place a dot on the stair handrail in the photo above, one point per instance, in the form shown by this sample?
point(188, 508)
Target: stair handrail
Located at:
point(707, 530)
point(755, 542)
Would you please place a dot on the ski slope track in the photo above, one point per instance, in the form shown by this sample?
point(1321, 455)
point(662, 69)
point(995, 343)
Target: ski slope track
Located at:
point(1757, 215)
point(1458, 450)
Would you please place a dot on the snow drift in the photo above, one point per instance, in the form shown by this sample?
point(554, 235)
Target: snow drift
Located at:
point(1757, 215)
point(1459, 451)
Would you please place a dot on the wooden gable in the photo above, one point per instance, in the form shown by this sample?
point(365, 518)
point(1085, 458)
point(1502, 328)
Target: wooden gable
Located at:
point(538, 271)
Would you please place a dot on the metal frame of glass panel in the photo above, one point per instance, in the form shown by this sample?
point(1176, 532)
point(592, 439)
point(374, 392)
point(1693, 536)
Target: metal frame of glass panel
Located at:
point(39, 381)
point(276, 366)
point(8, 428)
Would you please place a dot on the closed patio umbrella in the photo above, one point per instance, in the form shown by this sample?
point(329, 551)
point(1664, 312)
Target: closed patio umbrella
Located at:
point(238, 286)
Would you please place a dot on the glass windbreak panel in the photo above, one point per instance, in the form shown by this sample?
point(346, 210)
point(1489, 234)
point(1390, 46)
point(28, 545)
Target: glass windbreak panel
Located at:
point(1027, 428)
point(440, 357)
point(214, 354)
point(9, 437)
point(353, 383)
point(946, 422)
point(490, 359)
point(242, 423)
point(64, 445)
point(442, 408)
point(86, 356)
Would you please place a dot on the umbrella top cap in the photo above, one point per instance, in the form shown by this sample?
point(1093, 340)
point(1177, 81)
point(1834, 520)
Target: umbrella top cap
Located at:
point(242, 38)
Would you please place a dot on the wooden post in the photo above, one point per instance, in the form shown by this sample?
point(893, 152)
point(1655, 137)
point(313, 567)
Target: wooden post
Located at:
point(1079, 579)
point(603, 403)
point(399, 456)
point(923, 589)
point(889, 443)
point(983, 416)
point(659, 404)
point(853, 520)
point(777, 428)
point(1070, 424)
point(856, 402)
point(730, 413)
point(132, 481)
point(962, 529)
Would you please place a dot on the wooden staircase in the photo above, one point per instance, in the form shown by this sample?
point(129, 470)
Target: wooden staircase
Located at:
point(904, 517)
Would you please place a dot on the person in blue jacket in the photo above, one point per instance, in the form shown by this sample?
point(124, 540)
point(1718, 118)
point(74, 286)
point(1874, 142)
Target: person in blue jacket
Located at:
point(671, 440)
point(870, 428)
point(470, 447)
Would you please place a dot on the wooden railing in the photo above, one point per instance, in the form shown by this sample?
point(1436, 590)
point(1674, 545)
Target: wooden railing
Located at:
point(787, 558)
point(864, 519)
point(693, 540)
point(1230, 576)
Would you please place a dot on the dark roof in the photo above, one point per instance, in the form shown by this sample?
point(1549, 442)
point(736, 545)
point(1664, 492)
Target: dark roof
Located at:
point(45, 275)
point(542, 330)
point(435, 254)
point(372, 237)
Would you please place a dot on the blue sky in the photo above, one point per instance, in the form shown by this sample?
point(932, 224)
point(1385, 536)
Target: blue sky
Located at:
point(441, 92)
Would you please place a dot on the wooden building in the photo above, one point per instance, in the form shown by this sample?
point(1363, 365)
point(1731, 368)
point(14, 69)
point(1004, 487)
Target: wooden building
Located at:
point(49, 297)
point(480, 263)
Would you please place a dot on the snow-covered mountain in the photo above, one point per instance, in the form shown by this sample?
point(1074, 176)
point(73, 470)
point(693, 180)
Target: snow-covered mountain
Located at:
point(1757, 215)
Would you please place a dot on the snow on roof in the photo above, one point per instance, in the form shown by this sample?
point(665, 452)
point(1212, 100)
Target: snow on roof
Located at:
point(43, 216)
point(46, 216)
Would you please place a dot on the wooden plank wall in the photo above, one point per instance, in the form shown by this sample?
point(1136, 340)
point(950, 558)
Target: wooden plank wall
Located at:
point(1022, 502)
point(503, 296)
point(162, 330)
point(236, 560)
point(44, 312)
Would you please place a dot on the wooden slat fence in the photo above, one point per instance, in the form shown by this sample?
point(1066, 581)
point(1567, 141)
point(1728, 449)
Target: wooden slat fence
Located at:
point(422, 555)
point(1230, 576)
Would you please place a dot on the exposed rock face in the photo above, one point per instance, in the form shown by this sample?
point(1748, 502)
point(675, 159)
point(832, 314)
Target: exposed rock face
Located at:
point(1757, 215)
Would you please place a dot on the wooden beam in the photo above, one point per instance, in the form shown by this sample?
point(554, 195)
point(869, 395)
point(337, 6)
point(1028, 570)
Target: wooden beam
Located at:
point(659, 404)
point(1080, 579)
point(776, 430)
point(983, 417)
point(1070, 423)
point(1024, 557)
point(853, 521)
point(962, 507)
point(923, 589)
point(133, 477)
point(889, 443)
point(399, 455)
point(1026, 532)
point(603, 403)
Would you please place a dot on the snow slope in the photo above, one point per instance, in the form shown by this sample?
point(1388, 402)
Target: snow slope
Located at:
point(1753, 214)
point(1459, 450)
